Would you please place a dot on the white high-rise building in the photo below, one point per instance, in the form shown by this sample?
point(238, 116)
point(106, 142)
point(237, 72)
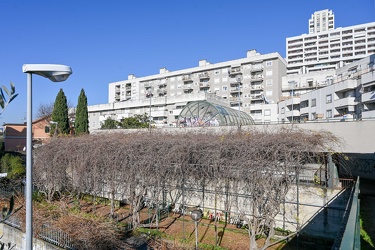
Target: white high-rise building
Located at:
point(321, 21)
point(326, 48)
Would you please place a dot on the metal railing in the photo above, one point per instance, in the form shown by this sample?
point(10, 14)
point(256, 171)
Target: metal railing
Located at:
point(56, 237)
point(349, 236)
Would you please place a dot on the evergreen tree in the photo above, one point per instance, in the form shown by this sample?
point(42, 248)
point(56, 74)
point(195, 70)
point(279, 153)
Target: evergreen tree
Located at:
point(60, 114)
point(110, 123)
point(81, 124)
point(136, 121)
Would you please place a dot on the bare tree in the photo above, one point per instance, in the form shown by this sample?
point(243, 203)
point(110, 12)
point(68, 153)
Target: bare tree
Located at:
point(249, 171)
point(46, 109)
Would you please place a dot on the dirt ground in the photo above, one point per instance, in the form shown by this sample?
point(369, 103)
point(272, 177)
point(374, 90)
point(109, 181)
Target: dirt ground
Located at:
point(179, 230)
point(178, 227)
point(228, 236)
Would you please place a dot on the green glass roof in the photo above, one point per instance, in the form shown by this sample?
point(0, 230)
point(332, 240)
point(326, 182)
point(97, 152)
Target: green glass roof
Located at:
point(204, 113)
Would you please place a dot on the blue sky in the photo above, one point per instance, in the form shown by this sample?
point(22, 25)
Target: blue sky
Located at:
point(104, 41)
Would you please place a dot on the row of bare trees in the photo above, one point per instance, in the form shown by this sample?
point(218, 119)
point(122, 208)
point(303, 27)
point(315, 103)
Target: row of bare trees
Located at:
point(133, 166)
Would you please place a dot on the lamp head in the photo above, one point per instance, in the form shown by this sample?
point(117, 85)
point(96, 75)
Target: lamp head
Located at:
point(54, 72)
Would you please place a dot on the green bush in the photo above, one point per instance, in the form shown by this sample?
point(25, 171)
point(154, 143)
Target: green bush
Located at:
point(13, 165)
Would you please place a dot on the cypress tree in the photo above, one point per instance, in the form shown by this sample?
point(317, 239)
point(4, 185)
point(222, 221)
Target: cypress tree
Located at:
point(60, 114)
point(81, 124)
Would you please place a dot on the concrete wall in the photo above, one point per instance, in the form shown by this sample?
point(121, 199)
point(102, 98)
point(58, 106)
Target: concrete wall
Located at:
point(357, 136)
point(18, 238)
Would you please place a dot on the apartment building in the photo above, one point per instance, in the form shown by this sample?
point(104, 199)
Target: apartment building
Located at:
point(251, 84)
point(321, 21)
point(326, 47)
point(348, 94)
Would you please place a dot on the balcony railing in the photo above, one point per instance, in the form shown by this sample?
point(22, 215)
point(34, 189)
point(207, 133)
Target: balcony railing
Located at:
point(235, 90)
point(203, 85)
point(343, 102)
point(256, 68)
point(256, 78)
point(235, 71)
point(204, 75)
point(187, 78)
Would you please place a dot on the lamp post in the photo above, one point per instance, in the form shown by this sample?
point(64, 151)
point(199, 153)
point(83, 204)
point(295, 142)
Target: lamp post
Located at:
point(56, 73)
point(149, 95)
point(238, 80)
point(292, 94)
point(196, 215)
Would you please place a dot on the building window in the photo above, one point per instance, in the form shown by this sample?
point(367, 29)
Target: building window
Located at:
point(313, 102)
point(329, 113)
point(268, 63)
point(225, 88)
point(313, 116)
point(269, 92)
point(267, 112)
point(269, 73)
point(269, 82)
point(329, 98)
point(282, 110)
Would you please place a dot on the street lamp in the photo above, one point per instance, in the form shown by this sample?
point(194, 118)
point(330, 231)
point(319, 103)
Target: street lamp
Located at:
point(56, 73)
point(149, 94)
point(292, 94)
point(238, 80)
point(196, 215)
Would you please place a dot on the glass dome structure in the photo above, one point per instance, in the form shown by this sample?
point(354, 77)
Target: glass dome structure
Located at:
point(204, 113)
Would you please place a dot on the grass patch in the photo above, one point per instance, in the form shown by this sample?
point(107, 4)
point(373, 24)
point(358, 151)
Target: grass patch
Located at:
point(366, 238)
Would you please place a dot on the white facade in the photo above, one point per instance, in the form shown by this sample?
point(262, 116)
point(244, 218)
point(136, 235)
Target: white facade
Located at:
point(349, 94)
point(251, 84)
point(321, 21)
point(329, 49)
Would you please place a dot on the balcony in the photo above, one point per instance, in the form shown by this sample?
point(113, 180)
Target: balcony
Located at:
point(187, 87)
point(161, 91)
point(346, 85)
point(256, 97)
point(235, 90)
point(294, 113)
point(187, 78)
point(293, 101)
point(344, 102)
point(255, 87)
point(368, 97)
point(256, 78)
point(256, 68)
point(235, 71)
point(204, 75)
point(162, 84)
point(203, 85)
point(233, 82)
point(234, 101)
